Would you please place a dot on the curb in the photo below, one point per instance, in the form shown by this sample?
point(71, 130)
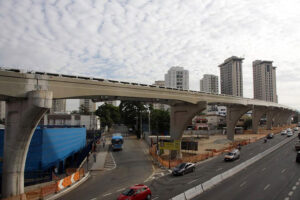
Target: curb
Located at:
point(195, 191)
point(69, 189)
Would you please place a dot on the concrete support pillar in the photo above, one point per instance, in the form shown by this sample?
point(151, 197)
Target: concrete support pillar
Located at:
point(270, 116)
point(22, 117)
point(278, 119)
point(234, 113)
point(286, 118)
point(257, 113)
point(181, 116)
point(289, 119)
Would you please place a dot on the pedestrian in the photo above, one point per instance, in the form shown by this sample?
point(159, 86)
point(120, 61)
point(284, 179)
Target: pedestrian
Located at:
point(95, 156)
point(104, 142)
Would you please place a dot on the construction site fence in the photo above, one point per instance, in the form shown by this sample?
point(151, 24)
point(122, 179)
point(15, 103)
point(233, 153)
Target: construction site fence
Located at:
point(212, 152)
point(40, 193)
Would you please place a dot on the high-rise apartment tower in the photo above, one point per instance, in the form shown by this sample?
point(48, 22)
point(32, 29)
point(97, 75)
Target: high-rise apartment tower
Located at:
point(177, 77)
point(264, 80)
point(231, 76)
point(209, 83)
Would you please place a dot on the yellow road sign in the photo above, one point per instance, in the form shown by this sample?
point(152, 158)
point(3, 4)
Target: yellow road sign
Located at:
point(170, 145)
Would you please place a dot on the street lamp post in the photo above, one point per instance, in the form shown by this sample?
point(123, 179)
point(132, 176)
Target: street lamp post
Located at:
point(149, 112)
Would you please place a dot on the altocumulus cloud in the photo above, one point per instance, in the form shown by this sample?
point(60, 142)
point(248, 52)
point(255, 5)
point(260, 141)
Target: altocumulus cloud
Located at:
point(139, 40)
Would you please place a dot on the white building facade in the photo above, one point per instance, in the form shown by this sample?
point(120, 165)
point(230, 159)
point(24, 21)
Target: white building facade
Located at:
point(209, 83)
point(2, 110)
point(177, 77)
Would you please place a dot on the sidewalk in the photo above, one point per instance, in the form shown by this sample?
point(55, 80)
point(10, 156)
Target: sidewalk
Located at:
point(88, 165)
point(101, 154)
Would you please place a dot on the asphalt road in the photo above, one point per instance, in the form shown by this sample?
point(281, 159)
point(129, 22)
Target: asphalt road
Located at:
point(275, 177)
point(168, 186)
point(133, 166)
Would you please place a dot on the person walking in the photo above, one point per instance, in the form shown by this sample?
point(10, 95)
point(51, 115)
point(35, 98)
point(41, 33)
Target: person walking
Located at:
point(103, 141)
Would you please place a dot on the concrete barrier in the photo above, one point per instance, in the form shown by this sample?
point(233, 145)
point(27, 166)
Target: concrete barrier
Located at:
point(193, 192)
point(179, 197)
point(210, 183)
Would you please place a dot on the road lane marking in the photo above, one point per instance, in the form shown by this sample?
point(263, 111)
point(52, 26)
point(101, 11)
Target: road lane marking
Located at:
point(263, 169)
point(155, 198)
point(286, 198)
point(106, 194)
point(219, 169)
point(294, 188)
point(243, 184)
point(267, 186)
point(250, 154)
point(193, 181)
point(291, 193)
point(94, 199)
point(120, 189)
point(282, 171)
point(297, 183)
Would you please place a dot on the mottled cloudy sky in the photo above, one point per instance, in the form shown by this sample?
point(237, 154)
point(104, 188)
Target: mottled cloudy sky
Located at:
point(135, 40)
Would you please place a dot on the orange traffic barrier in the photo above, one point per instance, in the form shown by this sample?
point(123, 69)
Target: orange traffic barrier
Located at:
point(65, 182)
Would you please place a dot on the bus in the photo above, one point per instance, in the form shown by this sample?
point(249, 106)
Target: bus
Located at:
point(117, 141)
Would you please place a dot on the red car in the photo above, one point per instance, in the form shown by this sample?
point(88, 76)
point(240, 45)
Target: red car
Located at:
point(137, 192)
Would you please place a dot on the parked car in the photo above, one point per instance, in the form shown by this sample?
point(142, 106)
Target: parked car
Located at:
point(136, 192)
point(183, 168)
point(298, 157)
point(289, 129)
point(283, 132)
point(296, 129)
point(270, 136)
point(232, 155)
point(289, 133)
point(297, 146)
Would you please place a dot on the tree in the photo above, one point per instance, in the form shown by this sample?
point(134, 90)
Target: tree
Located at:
point(84, 110)
point(160, 121)
point(108, 114)
point(131, 113)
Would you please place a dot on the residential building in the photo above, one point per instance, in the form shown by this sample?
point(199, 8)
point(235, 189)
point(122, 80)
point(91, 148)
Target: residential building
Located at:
point(89, 104)
point(231, 76)
point(264, 80)
point(177, 77)
point(209, 83)
point(160, 106)
point(58, 106)
point(2, 110)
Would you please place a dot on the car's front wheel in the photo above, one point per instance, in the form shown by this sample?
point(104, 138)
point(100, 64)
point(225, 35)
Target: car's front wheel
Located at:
point(148, 197)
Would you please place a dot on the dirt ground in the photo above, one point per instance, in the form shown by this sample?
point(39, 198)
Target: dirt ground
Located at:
point(220, 141)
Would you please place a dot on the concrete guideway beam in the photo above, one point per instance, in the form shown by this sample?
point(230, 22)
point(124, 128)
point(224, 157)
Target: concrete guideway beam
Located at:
point(22, 117)
point(181, 116)
point(234, 113)
point(257, 113)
